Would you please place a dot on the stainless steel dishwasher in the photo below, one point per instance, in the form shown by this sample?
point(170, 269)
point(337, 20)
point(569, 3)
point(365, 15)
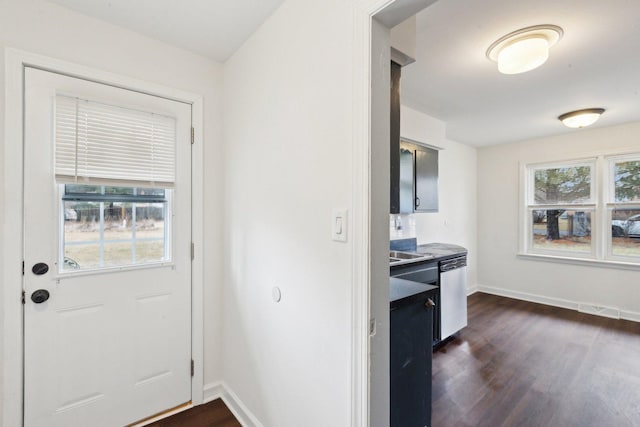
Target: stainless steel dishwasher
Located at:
point(453, 296)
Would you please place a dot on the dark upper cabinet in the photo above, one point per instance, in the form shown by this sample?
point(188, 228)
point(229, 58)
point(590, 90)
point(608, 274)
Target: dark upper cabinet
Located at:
point(413, 167)
point(417, 183)
point(426, 180)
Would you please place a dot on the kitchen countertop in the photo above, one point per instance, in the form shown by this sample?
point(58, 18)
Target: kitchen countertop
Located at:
point(400, 290)
point(433, 252)
point(441, 250)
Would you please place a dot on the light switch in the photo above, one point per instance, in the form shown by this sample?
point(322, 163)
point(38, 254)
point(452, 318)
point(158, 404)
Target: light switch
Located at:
point(339, 225)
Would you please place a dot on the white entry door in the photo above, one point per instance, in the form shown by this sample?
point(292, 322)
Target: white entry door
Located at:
point(107, 263)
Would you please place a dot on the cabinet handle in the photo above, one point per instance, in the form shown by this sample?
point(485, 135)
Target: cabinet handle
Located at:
point(417, 201)
point(429, 303)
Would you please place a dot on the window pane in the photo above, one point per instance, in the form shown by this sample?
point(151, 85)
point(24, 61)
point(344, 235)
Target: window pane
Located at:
point(563, 185)
point(625, 232)
point(102, 233)
point(561, 230)
point(150, 232)
point(71, 190)
point(627, 181)
point(82, 189)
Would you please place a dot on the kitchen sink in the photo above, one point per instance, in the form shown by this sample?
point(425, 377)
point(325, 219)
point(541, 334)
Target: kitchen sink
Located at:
point(404, 255)
point(399, 257)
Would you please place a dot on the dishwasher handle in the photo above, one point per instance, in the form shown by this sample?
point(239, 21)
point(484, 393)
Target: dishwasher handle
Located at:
point(452, 264)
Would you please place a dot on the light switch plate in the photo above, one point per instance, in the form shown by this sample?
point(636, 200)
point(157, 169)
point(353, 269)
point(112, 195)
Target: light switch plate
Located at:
point(339, 225)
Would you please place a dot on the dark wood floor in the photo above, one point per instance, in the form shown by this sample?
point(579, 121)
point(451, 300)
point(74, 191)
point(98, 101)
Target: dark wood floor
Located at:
point(518, 364)
point(212, 414)
point(524, 364)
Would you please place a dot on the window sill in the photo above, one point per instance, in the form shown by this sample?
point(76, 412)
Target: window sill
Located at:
point(581, 261)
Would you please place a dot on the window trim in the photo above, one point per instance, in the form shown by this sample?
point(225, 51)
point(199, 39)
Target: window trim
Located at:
point(602, 194)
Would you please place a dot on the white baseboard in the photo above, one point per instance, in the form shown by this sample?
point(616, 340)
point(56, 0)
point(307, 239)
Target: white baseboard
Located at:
point(556, 302)
point(598, 310)
point(634, 316)
point(559, 302)
point(213, 391)
point(472, 289)
point(220, 390)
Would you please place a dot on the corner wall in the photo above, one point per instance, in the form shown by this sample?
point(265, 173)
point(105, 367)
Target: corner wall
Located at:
point(501, 271)
point(288, 134)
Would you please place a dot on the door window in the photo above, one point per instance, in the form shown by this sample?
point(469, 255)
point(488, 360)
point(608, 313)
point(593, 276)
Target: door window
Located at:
point(106, 226)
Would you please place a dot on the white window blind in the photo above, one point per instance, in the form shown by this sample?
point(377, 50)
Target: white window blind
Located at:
point(98, 143)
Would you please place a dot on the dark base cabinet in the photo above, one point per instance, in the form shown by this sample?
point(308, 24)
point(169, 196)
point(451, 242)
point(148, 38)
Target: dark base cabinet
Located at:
point(411, 352)
point(427, 273)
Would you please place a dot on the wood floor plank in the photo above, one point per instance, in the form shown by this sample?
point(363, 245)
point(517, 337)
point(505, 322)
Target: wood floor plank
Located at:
point(520, 364)
point(212, 414)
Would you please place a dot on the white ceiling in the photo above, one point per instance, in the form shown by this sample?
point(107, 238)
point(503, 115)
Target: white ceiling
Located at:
point(213, 28)
point(595, 64)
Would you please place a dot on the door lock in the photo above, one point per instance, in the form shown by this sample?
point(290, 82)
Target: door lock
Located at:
point(40, 296)
point(40, 268)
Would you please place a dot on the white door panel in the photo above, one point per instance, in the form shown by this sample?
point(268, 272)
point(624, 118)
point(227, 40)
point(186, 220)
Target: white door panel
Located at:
point(109, 347)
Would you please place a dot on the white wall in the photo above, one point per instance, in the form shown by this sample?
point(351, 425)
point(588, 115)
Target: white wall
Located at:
point(379, 357)
point(500, 270)
point(44, 28)
point(455, 221)
point(288, 141)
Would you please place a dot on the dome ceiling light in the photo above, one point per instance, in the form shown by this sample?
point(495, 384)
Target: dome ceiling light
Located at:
point(581, 118)
point(524, 49)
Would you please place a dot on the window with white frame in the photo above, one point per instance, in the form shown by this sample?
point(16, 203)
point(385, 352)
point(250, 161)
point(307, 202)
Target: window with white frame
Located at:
point(623, 206)
point(584, 209)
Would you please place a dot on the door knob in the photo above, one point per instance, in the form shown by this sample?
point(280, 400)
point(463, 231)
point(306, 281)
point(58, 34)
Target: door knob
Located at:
point(40, 296)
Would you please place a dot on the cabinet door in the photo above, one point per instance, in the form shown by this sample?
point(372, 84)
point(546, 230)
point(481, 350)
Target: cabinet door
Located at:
point(426, 181)
point(406, 181)
point(410, 364)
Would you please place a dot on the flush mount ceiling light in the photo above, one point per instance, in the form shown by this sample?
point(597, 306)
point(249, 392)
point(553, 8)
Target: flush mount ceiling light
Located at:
point(524, 49)
point(581, 118)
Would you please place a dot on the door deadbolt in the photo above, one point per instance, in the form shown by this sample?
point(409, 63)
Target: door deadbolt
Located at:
point(40, 296)
point(40, 268)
